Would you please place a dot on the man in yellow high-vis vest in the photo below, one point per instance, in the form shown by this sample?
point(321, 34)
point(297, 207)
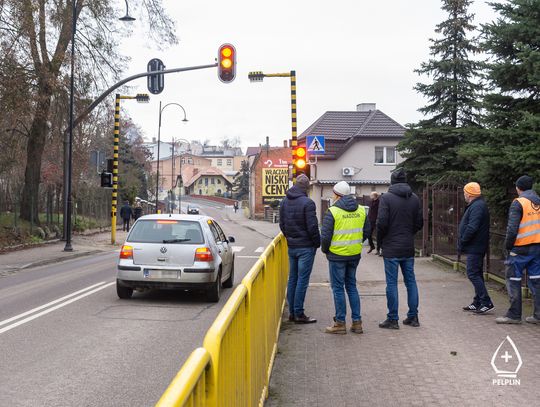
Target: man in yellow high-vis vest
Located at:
point(523, 245)
point(344, 228)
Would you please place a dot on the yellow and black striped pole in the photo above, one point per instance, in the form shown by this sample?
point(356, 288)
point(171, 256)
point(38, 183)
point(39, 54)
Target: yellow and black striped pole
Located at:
point(115, 167)
point(294, 141)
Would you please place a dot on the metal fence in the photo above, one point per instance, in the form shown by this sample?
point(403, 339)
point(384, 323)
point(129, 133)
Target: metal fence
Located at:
point(234, 365)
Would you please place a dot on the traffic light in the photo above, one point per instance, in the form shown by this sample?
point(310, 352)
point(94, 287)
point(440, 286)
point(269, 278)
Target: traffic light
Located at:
point(301, 161)
point(106, 180)
point(226, 63)
point(142, 97)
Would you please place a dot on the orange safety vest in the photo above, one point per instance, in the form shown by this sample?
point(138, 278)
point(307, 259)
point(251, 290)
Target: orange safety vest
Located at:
point(529, 227)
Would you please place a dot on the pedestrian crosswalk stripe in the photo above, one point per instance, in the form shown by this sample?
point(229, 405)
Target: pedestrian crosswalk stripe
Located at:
point(236, 249)
point(259, 250)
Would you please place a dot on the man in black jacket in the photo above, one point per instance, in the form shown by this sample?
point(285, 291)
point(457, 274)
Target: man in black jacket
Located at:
point(399, 218)
point(473, 241)
point(298, 222)
point(126, 213)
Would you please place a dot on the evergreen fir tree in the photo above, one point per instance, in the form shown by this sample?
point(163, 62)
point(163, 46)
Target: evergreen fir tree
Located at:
point(241, 182)
point(430, 146)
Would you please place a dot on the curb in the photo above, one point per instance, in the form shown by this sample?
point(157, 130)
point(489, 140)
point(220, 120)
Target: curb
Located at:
point(51, 261)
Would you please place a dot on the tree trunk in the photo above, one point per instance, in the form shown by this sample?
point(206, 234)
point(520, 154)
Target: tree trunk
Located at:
point(34, 153)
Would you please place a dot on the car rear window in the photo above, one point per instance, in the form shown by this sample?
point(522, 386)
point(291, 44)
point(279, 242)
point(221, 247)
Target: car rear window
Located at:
point(166, 231)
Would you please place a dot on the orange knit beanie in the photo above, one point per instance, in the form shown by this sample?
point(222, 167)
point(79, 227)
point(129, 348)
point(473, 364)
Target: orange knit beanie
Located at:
point(473, 189)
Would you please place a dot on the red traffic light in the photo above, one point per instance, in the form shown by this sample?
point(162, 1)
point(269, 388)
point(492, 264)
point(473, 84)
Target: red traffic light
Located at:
point(226, 63)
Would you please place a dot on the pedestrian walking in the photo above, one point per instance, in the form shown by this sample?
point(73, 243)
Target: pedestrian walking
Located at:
point(345, 226)
point(126, 213)
point(474, 241)
point(137, 212)
point(298, 222)
point(235, 206)
point(372, 217)
point(399, 218)
point(523, 244)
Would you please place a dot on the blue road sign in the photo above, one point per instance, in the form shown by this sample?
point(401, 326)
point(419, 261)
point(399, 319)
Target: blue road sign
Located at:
point(315, 144)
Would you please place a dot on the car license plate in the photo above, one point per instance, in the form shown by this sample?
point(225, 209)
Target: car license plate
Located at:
point(159, 274)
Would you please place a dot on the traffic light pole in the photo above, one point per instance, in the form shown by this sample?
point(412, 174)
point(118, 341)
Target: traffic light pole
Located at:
point(115, 166)
point(258, 77)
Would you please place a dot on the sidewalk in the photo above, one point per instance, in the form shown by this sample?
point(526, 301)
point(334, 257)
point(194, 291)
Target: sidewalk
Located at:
point(267, 229)
point(445, 362)
point(53, 252)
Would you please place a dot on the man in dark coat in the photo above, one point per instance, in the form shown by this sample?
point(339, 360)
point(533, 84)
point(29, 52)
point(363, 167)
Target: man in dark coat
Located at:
point(298, 222)
point(473, 241)
point(372, 217)
point(399, 218)
point(126, 213)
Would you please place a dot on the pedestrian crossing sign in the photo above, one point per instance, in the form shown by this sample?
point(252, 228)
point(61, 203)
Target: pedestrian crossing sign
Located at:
point(315, 144)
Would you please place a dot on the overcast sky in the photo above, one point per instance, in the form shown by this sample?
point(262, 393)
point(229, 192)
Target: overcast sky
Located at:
point(344, 53)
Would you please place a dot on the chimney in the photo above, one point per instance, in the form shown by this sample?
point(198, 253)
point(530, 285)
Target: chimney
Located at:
point(195, 171)
point(366, 107)
point(285, 143)
point(154, 140)
point(289, 142)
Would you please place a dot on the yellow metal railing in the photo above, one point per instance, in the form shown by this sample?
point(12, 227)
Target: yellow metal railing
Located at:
point(234, 365)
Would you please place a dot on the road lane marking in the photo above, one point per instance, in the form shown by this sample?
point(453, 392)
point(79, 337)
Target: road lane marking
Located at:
point(49, 310)
point(7, 321)
point(259, 250)
point(237, 249)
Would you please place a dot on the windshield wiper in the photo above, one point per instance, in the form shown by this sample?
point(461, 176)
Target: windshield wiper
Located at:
point(176, 240)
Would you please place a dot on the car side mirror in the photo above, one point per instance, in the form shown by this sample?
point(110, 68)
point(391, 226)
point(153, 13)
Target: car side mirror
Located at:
point(231, 239)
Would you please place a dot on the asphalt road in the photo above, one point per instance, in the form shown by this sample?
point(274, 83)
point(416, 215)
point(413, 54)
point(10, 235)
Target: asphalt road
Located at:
point(67, 340)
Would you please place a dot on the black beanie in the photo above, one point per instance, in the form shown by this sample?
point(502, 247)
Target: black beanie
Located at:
point(398, 176)
point(524, 183)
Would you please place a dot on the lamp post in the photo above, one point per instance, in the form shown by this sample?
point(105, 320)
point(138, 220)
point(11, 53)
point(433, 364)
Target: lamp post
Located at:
point(183, 140)
point(159, 143)
point(68, 167)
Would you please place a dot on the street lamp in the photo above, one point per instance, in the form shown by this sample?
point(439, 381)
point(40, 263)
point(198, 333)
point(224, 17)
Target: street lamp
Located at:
point(179, 177)
point(159, 143)
point(68, 202)
point(127, 17)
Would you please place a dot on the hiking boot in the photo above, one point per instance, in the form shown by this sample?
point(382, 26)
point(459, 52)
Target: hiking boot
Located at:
point(337, 328)
point(371, 249)
point(506, 320)
point(304, 319)
point(470, 307)
point(389, 324)
point(412, 321)
point(485, 308)
point(356, 327)
point(532, 320)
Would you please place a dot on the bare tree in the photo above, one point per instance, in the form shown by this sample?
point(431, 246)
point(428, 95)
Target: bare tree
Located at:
point(37, 34)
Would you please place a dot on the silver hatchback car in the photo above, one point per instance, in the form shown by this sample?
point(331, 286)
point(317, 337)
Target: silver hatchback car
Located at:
point(175, 251)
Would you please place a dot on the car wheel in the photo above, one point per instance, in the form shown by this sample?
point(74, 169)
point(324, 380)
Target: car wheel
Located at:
point(123, 292)
point(230, 281)
point(214, 293)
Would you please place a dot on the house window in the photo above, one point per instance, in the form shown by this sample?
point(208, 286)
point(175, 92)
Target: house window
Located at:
point(212, 181)
point(219, 162)
point(385, 155)
point(218, 181)
point(229, 162)
point(206, 181)
point(219, 191)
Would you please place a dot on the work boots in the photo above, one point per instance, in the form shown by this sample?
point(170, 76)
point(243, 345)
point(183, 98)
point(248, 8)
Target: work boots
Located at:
point(337, 328)
point(357, 327)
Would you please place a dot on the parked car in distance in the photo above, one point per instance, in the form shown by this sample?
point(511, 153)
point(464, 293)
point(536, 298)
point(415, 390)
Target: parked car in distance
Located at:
point(173, 251)
point(192, 209)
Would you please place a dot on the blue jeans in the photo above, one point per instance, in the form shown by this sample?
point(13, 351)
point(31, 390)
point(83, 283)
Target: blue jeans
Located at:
point(475, 273)
point(343, 274)
point(391, 271)
point(300, 265)
point(515, 266)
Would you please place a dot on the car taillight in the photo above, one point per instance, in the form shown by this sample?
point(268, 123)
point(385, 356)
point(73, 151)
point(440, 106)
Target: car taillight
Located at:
point(126, 252)
point(203, 254)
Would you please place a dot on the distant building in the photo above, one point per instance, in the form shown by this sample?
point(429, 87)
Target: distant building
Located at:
point(208, 181)
point(360, 148)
